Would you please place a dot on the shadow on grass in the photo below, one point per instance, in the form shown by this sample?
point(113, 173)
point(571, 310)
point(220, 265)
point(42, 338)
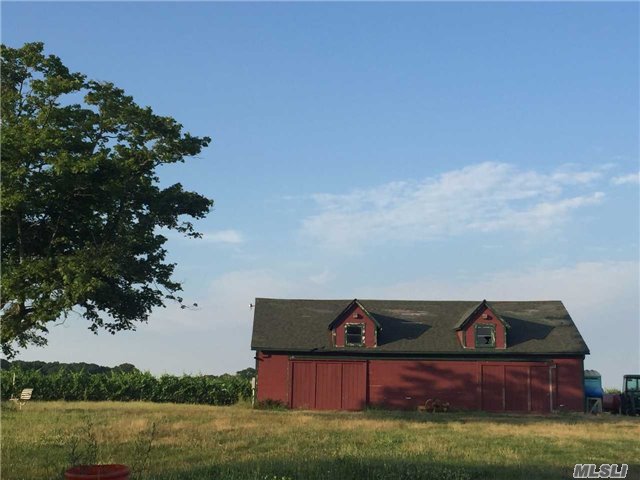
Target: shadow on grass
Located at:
point(471, 416)
point(359, 469)
point(497, 418)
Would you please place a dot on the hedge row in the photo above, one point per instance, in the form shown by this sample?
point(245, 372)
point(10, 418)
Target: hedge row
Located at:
point(125, 386)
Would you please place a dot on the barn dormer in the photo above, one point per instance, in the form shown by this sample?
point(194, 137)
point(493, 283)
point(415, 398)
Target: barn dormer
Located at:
point(354, 327)
point(482, 329)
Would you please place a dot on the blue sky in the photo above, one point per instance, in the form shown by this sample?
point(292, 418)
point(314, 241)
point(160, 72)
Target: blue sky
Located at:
point(416, 150)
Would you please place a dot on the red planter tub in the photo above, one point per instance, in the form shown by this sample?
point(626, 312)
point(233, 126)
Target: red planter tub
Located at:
point(98, 472)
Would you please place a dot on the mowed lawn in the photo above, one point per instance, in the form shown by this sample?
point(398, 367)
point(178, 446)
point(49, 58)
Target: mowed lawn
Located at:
point(204, 442)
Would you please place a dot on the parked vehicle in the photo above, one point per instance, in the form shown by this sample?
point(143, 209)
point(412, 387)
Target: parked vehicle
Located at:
point(628, 401)
point(630, 396)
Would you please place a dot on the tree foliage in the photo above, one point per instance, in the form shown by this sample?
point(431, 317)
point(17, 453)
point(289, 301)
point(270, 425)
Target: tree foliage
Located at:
point(47, 368)
point(247, 373)
point(81, 200)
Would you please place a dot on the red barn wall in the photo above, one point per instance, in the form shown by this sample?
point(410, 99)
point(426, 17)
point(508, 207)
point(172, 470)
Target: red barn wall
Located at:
point(536, 386)
point(272, 377)
point(408, 383)
point(469, 330)
point(369, 327)
point(570, 383)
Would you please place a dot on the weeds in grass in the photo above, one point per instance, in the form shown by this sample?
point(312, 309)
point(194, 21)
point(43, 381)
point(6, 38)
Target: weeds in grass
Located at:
point(9, 406)
point(270, 404)
point(142, 452)
point(374, 407)
point(82, 444)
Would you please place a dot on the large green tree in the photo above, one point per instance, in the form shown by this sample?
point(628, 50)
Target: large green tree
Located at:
point(81, 203)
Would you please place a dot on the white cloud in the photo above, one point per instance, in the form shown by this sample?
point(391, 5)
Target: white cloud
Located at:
point(227, 299)
point(322, 278)
point(631, 178)
point(478, 198)
point(585, 285)
point(232, 237)
point(576, 178)
point(540, 216)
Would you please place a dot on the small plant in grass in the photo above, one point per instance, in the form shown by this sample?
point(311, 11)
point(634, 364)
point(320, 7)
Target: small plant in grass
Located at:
point(270, 404)
point(142, 452)
point(375, 407)
point(450, 474)
point(9, 406)
point(82, 445)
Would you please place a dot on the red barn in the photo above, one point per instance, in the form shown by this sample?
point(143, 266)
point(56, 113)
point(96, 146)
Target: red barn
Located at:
point(346, 355)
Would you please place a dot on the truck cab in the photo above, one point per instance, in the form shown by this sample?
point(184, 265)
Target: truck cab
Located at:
point(630, 397)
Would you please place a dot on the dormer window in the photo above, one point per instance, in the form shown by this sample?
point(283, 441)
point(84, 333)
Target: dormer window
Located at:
point(482, 327)
point(485, 336)
point(354, 334)
point(354, 327)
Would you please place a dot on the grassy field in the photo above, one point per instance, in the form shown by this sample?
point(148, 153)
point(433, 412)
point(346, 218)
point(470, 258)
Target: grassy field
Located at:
point(202, 442)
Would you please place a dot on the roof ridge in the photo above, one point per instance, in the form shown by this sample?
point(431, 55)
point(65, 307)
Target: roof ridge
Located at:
point(403, 300)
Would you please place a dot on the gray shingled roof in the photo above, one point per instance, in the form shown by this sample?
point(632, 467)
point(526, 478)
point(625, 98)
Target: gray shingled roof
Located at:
point(417, 327)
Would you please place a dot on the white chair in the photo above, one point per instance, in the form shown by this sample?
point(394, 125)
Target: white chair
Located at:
point(25, 396)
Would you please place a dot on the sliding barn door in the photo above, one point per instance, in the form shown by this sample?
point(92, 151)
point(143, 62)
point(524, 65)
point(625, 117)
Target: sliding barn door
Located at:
point(328, 385)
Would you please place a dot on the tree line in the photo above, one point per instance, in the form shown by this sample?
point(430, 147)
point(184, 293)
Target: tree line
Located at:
point(52, 367)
